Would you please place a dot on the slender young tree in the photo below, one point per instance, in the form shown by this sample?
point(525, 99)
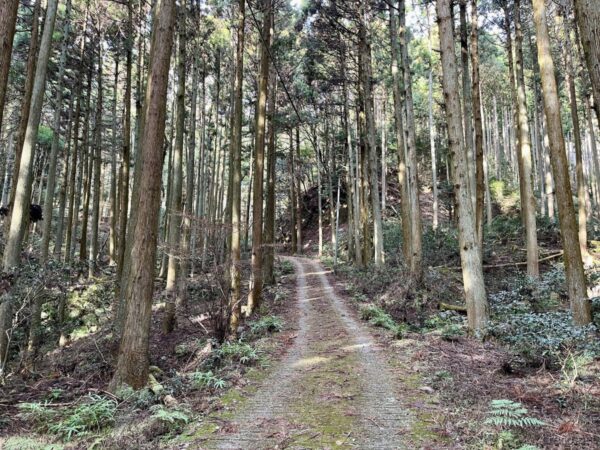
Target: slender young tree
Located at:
point(365, 75)
point(32, 57)
point(412, 175)
point(255, 296)
point(20, 211)
point(524, 160)
point(176, 204)
point(571, 66)
point(580, 304)
point(49, 199)
point(236, 171)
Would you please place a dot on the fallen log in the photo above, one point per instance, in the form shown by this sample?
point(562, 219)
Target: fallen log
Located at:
point(449, 307)
point(497, 266)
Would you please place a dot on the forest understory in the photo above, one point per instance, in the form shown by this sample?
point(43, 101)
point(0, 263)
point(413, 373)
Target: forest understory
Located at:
point(447, 380)
point(269, 224)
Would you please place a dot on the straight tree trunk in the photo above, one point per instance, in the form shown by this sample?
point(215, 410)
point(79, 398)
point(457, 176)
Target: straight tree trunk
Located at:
point(32, 57)
point(236, 172)
point(49, 200)
point(478, 125)
point(579, 175)
point(114, 177)
point(297, 181)
point(432, 133)
point(176, 206)
point(524, 154)
point(593, 149)
point(412, 175)
point(472, 269)
point(255, 296)
point(365, 72)
point(20, 210)
point(60, 227)
point(96, 155)
point(293, 220)
point(269, 228)
point(587, 14)
point(398, 94)
point(467, 101)
point(580, 304)
point(125, 160)
point(8, 22)
point(133, 361)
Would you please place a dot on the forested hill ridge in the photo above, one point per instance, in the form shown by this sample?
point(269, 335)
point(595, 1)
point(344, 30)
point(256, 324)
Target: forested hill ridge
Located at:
point(300, 224)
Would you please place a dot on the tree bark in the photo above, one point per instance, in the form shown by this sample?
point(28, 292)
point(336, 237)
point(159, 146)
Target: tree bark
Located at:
point(478, 125)
point(477, 306)
point(26, 104)
point(412, 175)
point(579, 175)
point(49, 199)
point(365, 78)
point(20, 210)
point(255, 296)
point(96, 156)
point(398, 94)
point(580, 304)
point(176, 206)
point(524, 154)
point(8, 22)
point(133, 362)
point(587, 14)
point(269, 229)
point(236, 172)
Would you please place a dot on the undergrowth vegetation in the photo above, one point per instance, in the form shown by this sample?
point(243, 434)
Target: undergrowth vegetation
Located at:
point(93, 414)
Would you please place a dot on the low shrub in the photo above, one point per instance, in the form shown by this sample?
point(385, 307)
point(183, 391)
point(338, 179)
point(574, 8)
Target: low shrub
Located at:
point(237, 351)
point(207, 380)
point(267, 324)
point(545, 337)
point(379, 318)
point(93, 415)
point(173, 418)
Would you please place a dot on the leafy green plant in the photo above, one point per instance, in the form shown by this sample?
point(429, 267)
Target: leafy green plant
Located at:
point(93, 415)
point(207, 379)
point(285, 267)
point(97, 413)
point(452, 331)
point(237, 351)
point(175, 419)
point(509, 414)
point(267, 324)
point(38, 413)
point(55, 394)
point(545, 337)
point(379, 318)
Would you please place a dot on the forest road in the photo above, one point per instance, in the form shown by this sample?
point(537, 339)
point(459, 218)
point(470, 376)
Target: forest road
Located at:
point(333, 389)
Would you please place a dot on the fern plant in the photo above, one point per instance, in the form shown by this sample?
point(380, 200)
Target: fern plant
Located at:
point(174, 419)
point(267, 324)
point(506, 413)
point(239, 351)
point(207, 379)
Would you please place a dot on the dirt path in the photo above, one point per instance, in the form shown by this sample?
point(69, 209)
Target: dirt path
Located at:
point(334, 388)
